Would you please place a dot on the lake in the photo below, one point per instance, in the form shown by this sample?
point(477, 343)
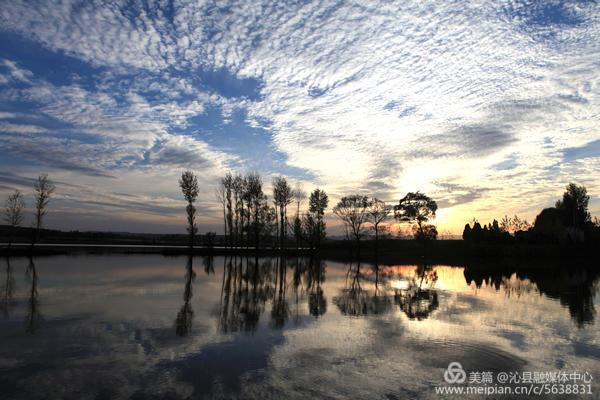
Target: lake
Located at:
point(150, 326)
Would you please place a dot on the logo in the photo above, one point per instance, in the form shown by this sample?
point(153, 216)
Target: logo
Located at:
point(455, 373)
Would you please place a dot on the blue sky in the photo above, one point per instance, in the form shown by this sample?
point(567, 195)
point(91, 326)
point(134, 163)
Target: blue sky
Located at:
point(490, 107)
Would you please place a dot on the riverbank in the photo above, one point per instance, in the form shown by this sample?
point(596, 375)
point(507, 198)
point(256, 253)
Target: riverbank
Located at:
point(387, 252)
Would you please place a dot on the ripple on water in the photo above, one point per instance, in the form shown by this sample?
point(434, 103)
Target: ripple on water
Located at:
point(473, 356)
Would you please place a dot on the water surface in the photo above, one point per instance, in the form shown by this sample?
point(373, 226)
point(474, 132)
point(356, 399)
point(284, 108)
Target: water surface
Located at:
point(148, 326)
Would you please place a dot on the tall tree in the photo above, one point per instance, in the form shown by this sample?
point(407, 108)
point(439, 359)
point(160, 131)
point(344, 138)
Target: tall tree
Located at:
point(417, 208)
point(282, 196)
point(238, 187)
point(256, 199)
point(220, 195)
point(299, 196)
point(43, 190)
point(189, 188)
point(13, 212)
point(353, 211)
point(227, 183)
point(574, 206)
point(377, 213)
point(318, 203)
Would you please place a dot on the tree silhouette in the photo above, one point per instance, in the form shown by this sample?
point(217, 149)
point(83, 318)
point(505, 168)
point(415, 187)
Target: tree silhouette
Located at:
point(417, 208)
point(353, 211)
point(299, 195)
point(189, 188)
point(377, 213)
point(318, 203)
point(238, 186)
point(282, 197)
point(226, 186)
point(256, 200)
point(220, 196)
point(13, 212)
point(43, 190)
point(574, 206)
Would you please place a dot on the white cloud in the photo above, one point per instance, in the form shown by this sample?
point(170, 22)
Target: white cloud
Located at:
point(394, 96)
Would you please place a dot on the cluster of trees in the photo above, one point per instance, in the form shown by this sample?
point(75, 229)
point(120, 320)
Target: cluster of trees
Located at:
point(360, 214)
point(569, 221)
point(14, 207)
point(508, 228)
point(249, 218)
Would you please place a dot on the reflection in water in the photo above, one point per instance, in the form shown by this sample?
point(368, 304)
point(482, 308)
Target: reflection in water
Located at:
point(575, 287)
point(183, 321)
point(208, 262)
point(247, 285)
point(354, 300)
point(416, 301)
point(8, 291)
point(280, 310)
point(278, 333)
point(33, 316)
point(315, 277)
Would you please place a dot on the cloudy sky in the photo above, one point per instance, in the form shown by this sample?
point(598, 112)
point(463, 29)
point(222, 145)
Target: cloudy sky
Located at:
point(490, 107)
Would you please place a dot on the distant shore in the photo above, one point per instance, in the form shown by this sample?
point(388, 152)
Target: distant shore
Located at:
point(389, 251)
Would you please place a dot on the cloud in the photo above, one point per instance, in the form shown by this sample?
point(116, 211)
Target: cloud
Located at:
point(383, 97)
point(15, 73)
point(589, 150)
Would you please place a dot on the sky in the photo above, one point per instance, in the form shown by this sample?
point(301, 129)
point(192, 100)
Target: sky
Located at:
point(489, 107)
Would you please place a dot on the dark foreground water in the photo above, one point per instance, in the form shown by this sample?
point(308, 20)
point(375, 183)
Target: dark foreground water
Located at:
point(117, 327)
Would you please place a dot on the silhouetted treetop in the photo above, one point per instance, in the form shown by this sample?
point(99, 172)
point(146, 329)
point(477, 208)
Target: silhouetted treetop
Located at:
point(415, 207)
point(574, 206)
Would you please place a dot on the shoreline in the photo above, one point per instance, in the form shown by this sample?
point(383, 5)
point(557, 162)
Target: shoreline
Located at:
point(452, 252)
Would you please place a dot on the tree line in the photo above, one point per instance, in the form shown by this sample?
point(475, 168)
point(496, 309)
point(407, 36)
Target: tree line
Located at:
point(252, 218)
point(568, 222)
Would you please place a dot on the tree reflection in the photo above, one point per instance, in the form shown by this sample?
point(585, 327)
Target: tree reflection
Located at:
point(574, 287)
point(247, 285)
point(357, 301)
point(183, 321)
point(418, 300)
point(8, 291)
point(33, 315)
point(315, 276)
point(280, 310)
point(208, 262)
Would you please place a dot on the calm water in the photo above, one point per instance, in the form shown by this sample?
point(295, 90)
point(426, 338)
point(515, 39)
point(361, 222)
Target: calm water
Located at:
point(108, 327)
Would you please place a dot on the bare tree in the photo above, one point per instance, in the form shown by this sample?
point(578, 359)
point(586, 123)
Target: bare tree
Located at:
point(13, 212)
point(238, 187)
point(220, 195)
point(282, 197)
point(377, 213)
point(43, 190)
point(514, 224)
point(299, 196)
point(353, 211)
point(227, 184)
point(189, 188)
